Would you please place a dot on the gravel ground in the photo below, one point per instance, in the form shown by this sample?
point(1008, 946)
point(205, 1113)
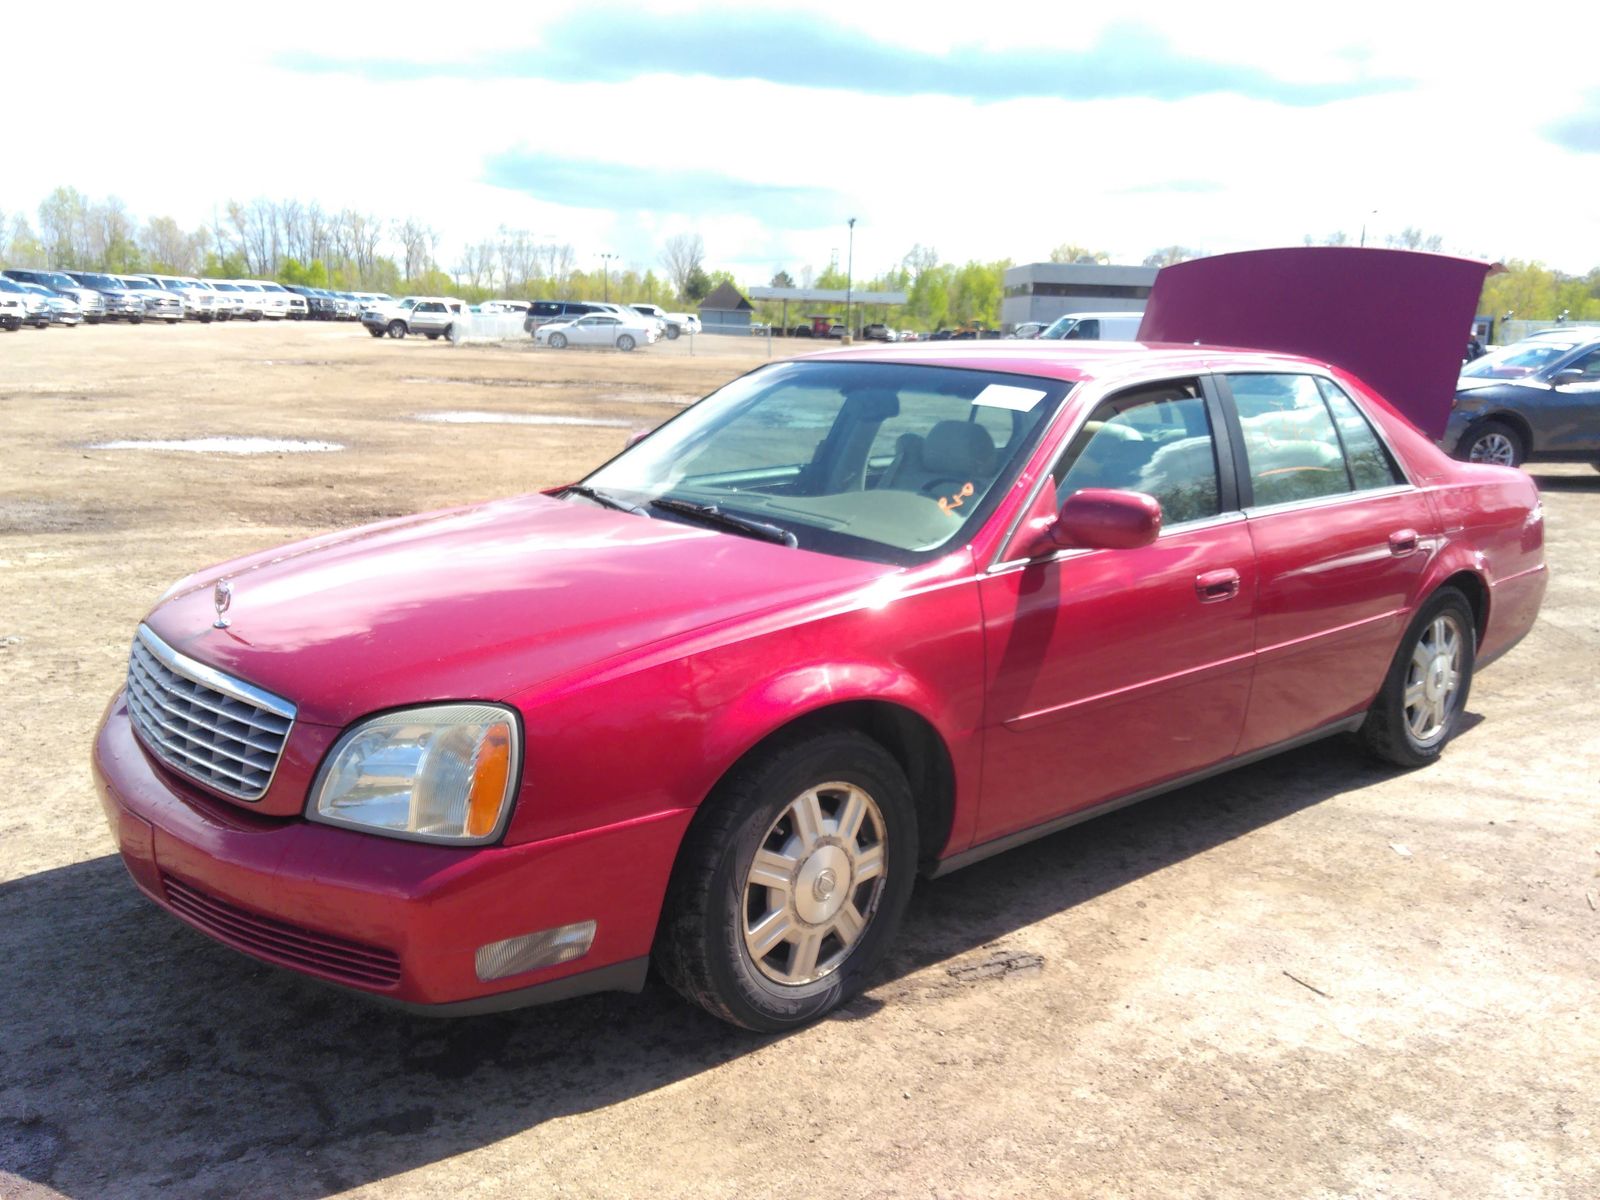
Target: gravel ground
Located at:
point(1313, 977)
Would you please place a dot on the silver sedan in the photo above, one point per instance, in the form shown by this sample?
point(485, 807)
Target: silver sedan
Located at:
point(596, 329)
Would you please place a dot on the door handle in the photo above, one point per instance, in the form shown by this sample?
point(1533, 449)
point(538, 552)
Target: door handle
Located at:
point(1402, 542)
point(1217, 585)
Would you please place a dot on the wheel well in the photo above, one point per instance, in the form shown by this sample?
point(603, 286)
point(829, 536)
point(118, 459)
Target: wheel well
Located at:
point(1472, 587)
point(1516, 420)
point(910, 739)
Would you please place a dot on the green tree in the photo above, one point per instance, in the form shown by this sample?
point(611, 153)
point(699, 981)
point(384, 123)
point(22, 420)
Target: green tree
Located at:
point(781, 279)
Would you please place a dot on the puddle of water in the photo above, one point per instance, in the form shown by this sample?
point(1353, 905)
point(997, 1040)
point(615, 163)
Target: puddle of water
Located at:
point(494, 418)
point(223, 445)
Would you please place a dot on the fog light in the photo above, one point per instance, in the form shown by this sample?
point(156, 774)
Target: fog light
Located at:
point(543, 949)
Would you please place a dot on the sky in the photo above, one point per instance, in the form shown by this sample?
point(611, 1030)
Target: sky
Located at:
point(983, 133)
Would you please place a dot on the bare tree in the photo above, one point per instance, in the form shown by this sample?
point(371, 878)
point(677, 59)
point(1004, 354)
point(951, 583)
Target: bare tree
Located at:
point(1412, 238)
point(1170, 255)
point(684, 254)
point(169, 248)
point(416, 244)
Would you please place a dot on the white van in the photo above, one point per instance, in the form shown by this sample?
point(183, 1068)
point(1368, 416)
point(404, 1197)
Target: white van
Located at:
point(1095, 326)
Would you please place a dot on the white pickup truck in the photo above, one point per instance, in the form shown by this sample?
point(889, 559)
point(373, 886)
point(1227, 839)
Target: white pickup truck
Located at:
point(676, 323)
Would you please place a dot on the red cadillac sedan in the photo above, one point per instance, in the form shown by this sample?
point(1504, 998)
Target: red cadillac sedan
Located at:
point(850, 619)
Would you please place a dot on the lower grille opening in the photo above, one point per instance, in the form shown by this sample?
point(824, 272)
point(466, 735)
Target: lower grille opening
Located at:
point(280, 942)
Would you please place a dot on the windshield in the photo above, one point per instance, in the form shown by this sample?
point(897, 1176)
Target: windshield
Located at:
point(224, 287)
point(1517, 360)
point(143, 285)
point(102, 282)
point(882, 461)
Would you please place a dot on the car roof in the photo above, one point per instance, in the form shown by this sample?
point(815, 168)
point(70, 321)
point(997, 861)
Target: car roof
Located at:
point(1075, 361)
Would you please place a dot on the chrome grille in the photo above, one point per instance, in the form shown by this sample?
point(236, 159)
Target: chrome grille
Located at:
point(204, 724)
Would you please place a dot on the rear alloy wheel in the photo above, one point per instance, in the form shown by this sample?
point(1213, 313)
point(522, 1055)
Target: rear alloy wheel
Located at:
point(791, 882)
point(397, 329)
point(672, 333)
point(1494, 442)
point(1426, 690)
point(625, 342)
point(557, 342)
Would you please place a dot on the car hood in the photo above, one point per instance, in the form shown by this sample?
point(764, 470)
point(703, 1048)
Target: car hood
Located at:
point(1394, 318)
point(479, 602)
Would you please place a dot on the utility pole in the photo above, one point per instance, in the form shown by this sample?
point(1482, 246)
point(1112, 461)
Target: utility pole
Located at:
point(605, 271)
point(849, 278)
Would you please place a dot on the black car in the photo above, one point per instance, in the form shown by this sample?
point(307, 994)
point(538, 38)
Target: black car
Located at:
point(319, 305)
point(1535, 400)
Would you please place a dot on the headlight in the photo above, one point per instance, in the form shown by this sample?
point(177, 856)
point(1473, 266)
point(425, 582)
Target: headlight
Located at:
point(443, 773)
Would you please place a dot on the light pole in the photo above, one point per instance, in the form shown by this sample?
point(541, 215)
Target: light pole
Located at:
point(849, 276)
point(1373, 213)
point(605, 271)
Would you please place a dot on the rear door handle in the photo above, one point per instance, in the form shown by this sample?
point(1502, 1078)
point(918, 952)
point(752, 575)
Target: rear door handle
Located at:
point(1402, 542)
point(1217, 585)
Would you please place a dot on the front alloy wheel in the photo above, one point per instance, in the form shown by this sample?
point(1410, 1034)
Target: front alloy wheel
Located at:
point(791, 881)
point(1495, 442)
point(814, 884)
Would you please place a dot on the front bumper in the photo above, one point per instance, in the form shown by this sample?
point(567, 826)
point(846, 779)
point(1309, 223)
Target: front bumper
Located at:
point(399, 921)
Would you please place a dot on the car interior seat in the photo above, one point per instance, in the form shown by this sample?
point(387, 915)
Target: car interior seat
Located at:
point(952, 454)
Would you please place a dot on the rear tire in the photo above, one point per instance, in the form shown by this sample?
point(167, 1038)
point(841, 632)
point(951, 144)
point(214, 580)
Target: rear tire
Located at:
point(672, 333)
point(1426, 689)
point(625, 342)
point(791, 881)
point(1493, 442)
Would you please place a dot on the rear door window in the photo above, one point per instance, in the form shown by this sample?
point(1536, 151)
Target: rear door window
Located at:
point(1371, 465)
point(1291, 447)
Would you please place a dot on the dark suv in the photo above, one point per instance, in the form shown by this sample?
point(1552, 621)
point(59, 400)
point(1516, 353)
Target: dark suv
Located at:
point(542, 312)
point(1537, 399)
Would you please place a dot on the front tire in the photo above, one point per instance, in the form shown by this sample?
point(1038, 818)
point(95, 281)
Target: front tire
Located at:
point(397, 329)
point(1493, 442)
point(791, 882)
point(1426, 690)
point(557, 342)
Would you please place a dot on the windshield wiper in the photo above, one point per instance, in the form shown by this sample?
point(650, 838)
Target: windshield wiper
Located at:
point(606, 499)
point(713, 515)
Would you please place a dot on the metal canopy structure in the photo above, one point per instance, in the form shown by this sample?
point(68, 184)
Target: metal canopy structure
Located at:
point(826, 295)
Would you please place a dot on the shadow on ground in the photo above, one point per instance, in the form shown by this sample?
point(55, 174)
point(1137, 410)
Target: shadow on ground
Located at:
point(139, 1057)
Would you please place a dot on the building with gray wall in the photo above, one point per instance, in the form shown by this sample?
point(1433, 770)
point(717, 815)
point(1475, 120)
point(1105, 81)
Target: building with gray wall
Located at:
point(1044, 291)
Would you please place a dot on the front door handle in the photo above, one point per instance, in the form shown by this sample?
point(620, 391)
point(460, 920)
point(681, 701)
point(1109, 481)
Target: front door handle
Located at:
point(1217, 585)
point(1403, 542)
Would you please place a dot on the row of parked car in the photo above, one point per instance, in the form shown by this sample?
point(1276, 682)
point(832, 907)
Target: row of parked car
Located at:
point(553, 323)
point(41, 298)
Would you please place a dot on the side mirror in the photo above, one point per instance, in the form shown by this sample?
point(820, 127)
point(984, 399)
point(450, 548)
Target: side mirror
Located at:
point(1570, 375)
point(1095, 519)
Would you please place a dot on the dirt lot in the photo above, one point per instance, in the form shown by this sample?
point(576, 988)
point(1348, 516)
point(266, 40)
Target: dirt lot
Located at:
point(1311, 978)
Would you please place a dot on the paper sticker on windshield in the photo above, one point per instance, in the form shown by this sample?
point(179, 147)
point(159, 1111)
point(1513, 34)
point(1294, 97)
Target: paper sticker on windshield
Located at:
point(1001, 395)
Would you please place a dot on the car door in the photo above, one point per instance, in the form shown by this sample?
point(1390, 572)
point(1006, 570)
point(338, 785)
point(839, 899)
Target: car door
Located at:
point(1110, 671)
point(1341, 541)
point(428, 317)
point(599, 330)
point(1572, 407)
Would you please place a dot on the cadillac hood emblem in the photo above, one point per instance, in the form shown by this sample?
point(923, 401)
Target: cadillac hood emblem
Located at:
point(221, 598)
